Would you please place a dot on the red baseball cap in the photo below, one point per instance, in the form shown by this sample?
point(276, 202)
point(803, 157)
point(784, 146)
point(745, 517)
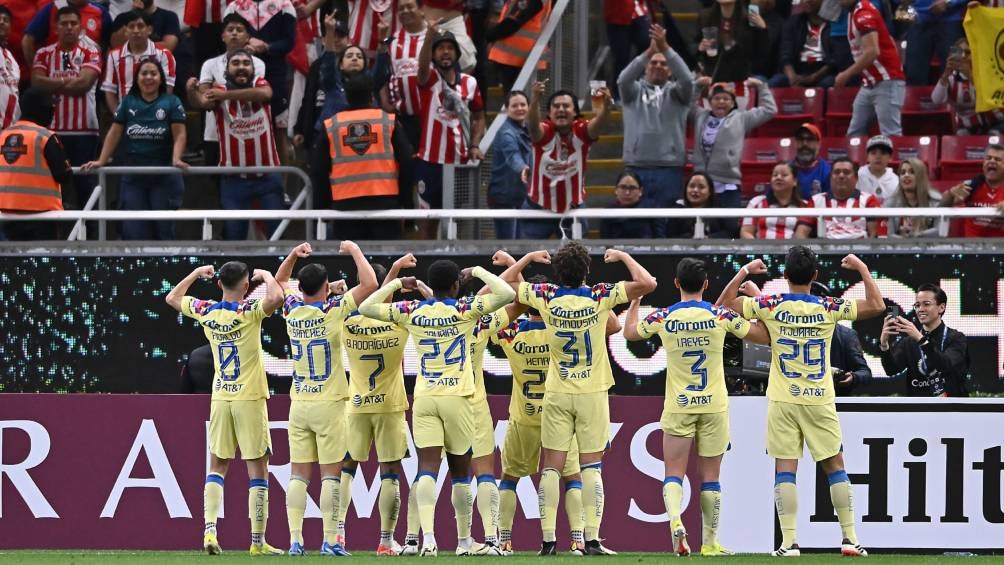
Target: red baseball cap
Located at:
point(811, 128)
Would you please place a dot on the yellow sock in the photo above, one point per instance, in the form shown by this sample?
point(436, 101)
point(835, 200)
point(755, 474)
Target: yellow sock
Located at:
point(414, 522)
point(296, 505)
point(786, 503)
point(390, 505)
point(843, 503)
point(573, 509)
point(461, 499)
point(547, 499)
point(711, 511)
point(507, 510)
point(672, 495)
point(258, 509)
point(592, 500)
point(330, 499)
point(425, 495)
point(212, 498)
point(345, 497)
point(488, 506)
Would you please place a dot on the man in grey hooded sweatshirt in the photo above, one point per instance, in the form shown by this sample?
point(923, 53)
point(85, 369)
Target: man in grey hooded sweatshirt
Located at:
point(655, 118)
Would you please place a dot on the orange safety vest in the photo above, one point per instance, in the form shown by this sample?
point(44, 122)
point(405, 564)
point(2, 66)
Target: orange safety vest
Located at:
point(514, 50)
point(26, 183)
point(362, 157)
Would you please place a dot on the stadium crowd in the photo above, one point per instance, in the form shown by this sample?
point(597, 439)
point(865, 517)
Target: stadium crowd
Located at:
point(376, 97)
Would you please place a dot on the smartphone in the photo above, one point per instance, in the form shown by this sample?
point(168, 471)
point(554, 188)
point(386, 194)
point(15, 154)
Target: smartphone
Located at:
point(893, 311)
point(753, 9)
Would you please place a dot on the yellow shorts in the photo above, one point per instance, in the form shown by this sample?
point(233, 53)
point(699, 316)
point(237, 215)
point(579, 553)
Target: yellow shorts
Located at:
point(521, 452)
point(239, 423)
point(709, 430)
point(790, 425)
point(388, 430)
point(443, 421)
point(317, 431)
point(585, 417)
point(484, 430)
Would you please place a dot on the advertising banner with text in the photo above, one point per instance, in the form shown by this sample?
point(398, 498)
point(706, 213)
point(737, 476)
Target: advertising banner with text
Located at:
point(127, 471)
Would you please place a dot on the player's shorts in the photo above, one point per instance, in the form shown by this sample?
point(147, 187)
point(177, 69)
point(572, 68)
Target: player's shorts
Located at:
point(484, 430)
point(790, 425)
point(709, 430)
point(387, 430)
point(239, 423)
point(584, 416)
point(317, 431)
point(521, 452)
point(443, 421)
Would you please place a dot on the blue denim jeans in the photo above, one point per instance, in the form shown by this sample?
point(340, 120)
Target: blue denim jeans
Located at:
point(932, 36)
point(883, 101)
point(237, 193)
point(147, 192)
point(662, 186)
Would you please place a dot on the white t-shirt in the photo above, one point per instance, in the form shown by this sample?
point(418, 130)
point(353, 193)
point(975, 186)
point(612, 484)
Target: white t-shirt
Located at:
point(883, 186)
point(213, 71)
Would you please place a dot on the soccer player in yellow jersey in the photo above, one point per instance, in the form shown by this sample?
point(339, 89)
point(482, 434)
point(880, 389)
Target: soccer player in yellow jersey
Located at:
point(238, 416)
point(314, 319)
point(800, 407)
point(697, 403)
point(442, 415)
point(578, 377)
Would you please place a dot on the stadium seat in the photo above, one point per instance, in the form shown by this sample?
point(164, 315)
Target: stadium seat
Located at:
point(854, 147)
point(794, 106)
point(962, 155)
point(942, 185)
point(921, 116)
point(839, 102)
point(923, 147)
point(760, 154)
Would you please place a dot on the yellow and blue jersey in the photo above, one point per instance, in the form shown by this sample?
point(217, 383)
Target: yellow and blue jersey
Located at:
point(315, 336)
point(800, 327)
point(234, 333)
point(525, 345)
point(486, 327)
point(693, 335)
point(576, 319)
point(376, 364)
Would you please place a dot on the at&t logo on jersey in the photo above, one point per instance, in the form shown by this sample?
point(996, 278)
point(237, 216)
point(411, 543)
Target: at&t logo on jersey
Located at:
point(795, 390)
point(682, 401)
point(530, 410)
point(358, 401)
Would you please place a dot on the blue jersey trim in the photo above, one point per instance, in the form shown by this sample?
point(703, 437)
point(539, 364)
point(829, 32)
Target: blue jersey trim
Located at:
point(583, 291)
point(232, 306)
point(701, 304)
point(713, 485)
point(569, 485)
point(784, 478)
point(672, 479)
point(528, 325)
point(801, 298)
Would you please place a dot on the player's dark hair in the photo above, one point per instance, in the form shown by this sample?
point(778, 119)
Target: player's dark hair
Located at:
point(939, 295)
point(37, 106)
point(570, 94)
point(571, 264)
point(800, 265)
point(442, 275)
point(133, 15)
point(692, 274)
point(236, 18)
point(72, 10)
point(380, 270)
point(358, 91)
point(233, 274)
point(312, 278)
point(537, 279)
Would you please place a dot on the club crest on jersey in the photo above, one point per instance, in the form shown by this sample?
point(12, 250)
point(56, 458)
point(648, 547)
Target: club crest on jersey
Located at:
point(727, 314)
point(160, 114)
point(602, 290)
point(13, 148)
point(832, 304)
point(359, 137)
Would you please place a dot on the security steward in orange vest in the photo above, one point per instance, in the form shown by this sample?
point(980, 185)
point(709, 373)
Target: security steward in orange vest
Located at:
point(518, 28)
point(33, 168)
point(362, 162)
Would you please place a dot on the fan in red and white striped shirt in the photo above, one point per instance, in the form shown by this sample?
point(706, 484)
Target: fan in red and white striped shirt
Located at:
point(558, 178)
point(845, 195)
point(75, 113)
point(364, 16)
point(10, 76)
point(444, 140)
point(783, 193)
point(404, 48)
point(120, 68)
point(245, 131)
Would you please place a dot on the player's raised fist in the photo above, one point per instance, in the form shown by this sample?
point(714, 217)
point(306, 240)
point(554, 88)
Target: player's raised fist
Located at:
point(347, 247)
point(756, 267)
point(749, 288)
point(851, 262)
point(259, 275)
point(424, 289)
point(541, 256)
point(409, 283)
point(303, 250)
point(406, 261)
point(206, 271)
point(502, 259)
point(613, 256)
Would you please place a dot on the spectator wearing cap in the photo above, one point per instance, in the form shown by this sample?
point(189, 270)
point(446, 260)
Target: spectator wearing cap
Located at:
point(806, 50)
point(877, 61)
point(877, 177)
point(984, 191)
point(655, 110)
point(812, 170)
point(720, 132)
point(628, 195)
point(844, 195)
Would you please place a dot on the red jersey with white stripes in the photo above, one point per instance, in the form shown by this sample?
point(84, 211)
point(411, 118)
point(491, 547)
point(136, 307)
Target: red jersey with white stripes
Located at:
point(74, 114)
point(364, 16)
point(846, 227)
point(404, 50)
point(10, 75)
point(120, 67)
point(558, 179)
point(245, 132)
point(309, 27)
point(444, 140)
point(775, 228)
point(866, 19)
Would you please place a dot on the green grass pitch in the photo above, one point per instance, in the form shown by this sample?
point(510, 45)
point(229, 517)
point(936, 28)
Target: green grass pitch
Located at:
point(172, 557)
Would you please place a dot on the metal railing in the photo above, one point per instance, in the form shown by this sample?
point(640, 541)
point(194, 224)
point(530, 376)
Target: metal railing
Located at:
point(303, 200)
point(319, 217)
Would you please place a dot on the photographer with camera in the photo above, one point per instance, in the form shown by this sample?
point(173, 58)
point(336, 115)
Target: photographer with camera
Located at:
point(931, 356)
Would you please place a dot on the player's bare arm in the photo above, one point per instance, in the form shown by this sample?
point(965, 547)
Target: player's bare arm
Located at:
point(504, 259)
point(367, 276)
point(613, 324)
point(501, 293)
point(729, 294)
point(406, 261)
point(374, 306)
point(174, 297)
point(286, 268)
point(273, 290)
point(641, 282)
point(872, 305)
point(631, 321)
point(514, 273)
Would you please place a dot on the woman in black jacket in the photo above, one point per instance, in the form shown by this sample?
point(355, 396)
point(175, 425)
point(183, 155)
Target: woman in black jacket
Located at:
point(699, 193)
